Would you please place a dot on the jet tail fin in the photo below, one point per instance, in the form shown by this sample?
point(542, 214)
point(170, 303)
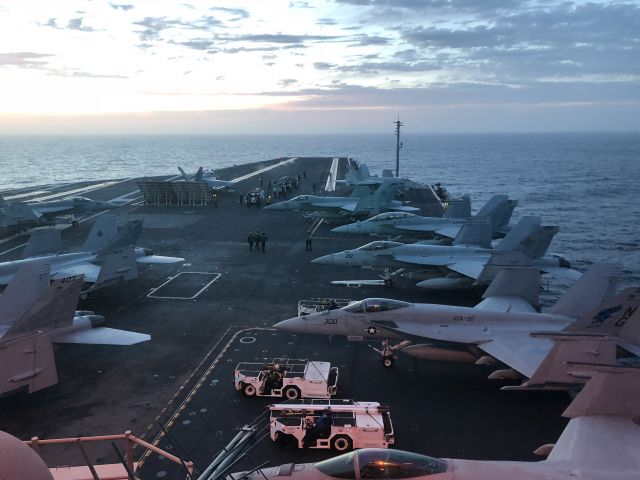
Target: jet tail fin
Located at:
point(497, 211)
point(199, 175)
point(474, 233)
point(184, 174)
point(595, 286)
point(55, 308)
point(528, 237)
point(619, 316)
point(387, 173)
point(43, 242)
point(27, 285)
point(128, 235)
point(104, 230)
point(520, 281)
point(381, 196)
point(460, 208)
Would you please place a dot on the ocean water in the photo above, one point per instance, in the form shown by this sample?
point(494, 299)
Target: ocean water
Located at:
point(586, 183)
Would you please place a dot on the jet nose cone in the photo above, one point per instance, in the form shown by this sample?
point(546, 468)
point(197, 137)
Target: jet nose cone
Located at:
point(275, 206)
point(350, 228)
point(295, 325)
point(326, 260)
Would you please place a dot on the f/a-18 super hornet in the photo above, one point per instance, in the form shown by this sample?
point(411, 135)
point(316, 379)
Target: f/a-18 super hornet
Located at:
point(106, 257)
point(27, 215)
point(497, 212)
point(34, 313)
point(600, 442)
point(459, 265)
point(498, 329)
point(208, 177)
point(367, 198)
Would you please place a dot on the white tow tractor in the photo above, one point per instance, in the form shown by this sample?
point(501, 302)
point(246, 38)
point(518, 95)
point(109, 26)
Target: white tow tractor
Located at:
point(291, 378)
point(305, 307)
point(350, 425)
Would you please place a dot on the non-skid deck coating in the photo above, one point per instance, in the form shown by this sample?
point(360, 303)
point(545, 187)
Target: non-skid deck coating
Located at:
point(442, 409)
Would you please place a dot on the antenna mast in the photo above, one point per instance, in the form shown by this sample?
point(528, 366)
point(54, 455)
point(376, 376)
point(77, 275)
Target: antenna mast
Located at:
point(398, 145)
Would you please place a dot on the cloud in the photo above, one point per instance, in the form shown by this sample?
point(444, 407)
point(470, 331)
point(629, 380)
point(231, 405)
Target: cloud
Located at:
point(283, 38)
point(124, 7)
point(24, 59)
point(154, 26)
point(287, 82)
point(77, 24)
point(299, 4)
point(323, 66)
point(326, 21)
point(237, 13)
point(363, 40)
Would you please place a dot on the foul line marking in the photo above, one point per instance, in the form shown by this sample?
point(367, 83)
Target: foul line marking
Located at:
point(156, 441)
point(333, 174)
point(216, 276)
point(265, 169)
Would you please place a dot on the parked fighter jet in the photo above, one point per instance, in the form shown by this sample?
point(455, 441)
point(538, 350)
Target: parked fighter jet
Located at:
point(18, 217)
point(497, 328)
point(600, 442)
point(497, 212)
point(207, 177)
point(366, 199)
point(107, 256)
point(35, 214)
point(35, 313)
point(457, 266)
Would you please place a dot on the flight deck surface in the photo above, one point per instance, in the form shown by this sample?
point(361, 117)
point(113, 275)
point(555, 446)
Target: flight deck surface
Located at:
point(214, 310)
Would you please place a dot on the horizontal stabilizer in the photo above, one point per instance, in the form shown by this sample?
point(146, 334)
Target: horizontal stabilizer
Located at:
point(103, 336)
point(359, 283)
point(476, 233)
point(459, 208)
point(43, 242)
point(158, 259)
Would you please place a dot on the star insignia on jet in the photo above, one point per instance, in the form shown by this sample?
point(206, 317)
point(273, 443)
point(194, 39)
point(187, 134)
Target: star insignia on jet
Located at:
point(99, 234)
point(372, 330)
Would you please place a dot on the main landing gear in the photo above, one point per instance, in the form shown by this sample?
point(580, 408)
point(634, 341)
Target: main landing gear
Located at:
point(388, 351)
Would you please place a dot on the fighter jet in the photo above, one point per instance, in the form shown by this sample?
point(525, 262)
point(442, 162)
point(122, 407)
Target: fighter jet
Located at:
point(497, 212)
point(70, 207)
point(35, 313)
point(107, 256)
point(365, 200)
point(497, 329)
point(457, 266)
point(600, 442)
point(207, 177)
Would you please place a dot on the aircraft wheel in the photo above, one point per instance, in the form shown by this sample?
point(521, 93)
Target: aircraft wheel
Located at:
point(388, 282)
point(341, 443)
point(387, 361)
point(249, 390)
point(291, 393)
point(75, 223)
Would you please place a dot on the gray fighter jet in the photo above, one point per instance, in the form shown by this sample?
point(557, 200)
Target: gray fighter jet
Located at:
point(365, 200)
point(459, 265)
point(35, 313)
point(107, 256)
point(208, 177)
point(497, 212)
point(20, 216)
point(497, 329)
point(600, 442)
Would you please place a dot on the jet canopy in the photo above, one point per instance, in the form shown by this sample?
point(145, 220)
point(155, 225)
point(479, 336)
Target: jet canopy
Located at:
point(370, 305)
point(381, 463)
point(379, 245)
point(391, 216)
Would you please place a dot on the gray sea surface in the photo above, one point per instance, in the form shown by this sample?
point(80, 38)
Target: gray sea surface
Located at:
point(587, 183)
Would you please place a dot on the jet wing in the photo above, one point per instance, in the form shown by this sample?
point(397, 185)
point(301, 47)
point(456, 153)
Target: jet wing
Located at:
point(469, 267)
point(89, 270)
point(344, 204)
point(518, 349)
point(103, 336)
point(449, 231)
point(47, 210)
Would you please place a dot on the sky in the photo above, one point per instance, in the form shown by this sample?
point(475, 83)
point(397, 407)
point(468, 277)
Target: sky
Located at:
point(324, 66)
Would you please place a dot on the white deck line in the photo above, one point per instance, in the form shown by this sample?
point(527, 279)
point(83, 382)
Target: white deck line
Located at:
point(265, 169)
point(69, 193)
point(28, 194)
point(333, 174)
point(215, 275)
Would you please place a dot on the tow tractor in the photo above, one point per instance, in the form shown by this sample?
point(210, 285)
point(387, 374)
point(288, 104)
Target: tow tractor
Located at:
point(351, 425)
point(291, 378)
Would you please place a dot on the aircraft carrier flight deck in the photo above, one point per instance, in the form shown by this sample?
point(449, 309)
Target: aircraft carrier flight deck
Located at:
point(216, 309)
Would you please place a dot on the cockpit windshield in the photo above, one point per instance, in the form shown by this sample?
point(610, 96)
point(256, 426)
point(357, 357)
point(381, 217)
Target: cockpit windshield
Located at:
point(370, 305)
point(390, 216)
point(379, 245)
point(80, 199)
point(381, 464)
